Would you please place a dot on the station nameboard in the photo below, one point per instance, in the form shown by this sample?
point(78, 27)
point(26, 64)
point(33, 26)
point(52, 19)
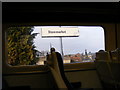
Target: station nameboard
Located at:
point(59, 32)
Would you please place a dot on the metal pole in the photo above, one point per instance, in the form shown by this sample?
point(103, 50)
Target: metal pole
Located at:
point(61, 47)
point(50, 45)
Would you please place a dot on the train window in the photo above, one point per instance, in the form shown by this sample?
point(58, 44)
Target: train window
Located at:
point(29, 45)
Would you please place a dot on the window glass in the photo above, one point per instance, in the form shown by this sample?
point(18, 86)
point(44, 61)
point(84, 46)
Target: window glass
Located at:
point(26, 46)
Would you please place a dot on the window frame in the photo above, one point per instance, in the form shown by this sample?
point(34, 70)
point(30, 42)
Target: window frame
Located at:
point(43, 68)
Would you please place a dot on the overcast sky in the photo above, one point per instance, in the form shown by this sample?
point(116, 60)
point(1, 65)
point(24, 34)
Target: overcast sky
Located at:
point(90, 38)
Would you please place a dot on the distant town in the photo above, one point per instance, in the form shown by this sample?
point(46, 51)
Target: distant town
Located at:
point(70, 58)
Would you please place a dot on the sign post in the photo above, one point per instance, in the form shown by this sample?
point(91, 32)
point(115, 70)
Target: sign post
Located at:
point(59, 32)
point(61, 46)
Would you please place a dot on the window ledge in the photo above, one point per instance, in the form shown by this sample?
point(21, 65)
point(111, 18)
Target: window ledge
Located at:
point(79, 66)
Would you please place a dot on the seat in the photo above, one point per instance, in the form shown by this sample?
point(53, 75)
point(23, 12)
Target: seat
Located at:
point(104, 70)
point(55, 63)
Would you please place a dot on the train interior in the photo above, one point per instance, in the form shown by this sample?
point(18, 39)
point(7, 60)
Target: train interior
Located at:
point(66, 64)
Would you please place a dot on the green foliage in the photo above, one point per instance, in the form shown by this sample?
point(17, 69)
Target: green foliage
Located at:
point(21, 49)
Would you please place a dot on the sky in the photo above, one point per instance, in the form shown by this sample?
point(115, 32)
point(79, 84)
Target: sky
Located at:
point(90, 38)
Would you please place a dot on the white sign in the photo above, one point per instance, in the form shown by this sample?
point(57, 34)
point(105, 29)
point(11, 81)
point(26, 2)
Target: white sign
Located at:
point(59, 32)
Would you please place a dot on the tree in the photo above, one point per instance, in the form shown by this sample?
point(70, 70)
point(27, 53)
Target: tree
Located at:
point(21, 48)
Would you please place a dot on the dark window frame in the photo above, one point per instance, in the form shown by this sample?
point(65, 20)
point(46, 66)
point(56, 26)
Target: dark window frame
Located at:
point(34, 68)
